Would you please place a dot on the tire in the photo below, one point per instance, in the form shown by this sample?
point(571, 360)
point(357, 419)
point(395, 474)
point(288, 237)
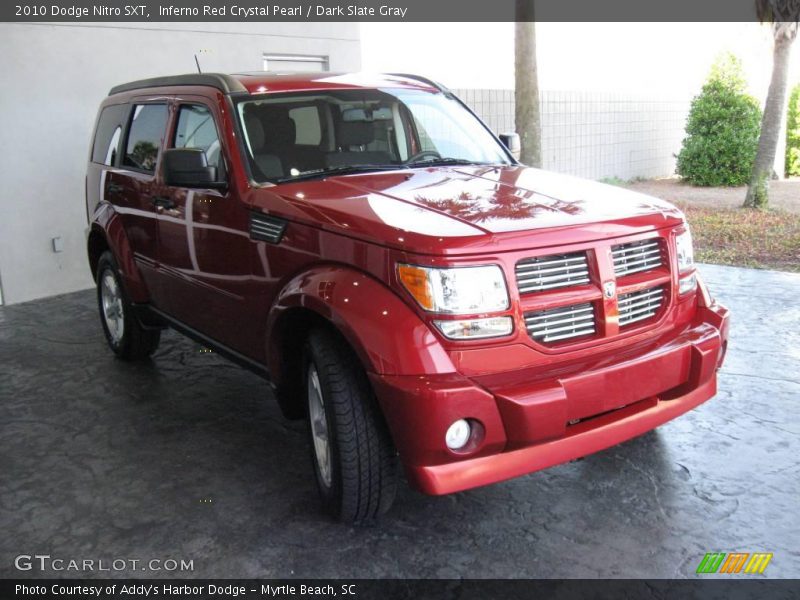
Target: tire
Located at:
point(125, 335)
point(358, 481)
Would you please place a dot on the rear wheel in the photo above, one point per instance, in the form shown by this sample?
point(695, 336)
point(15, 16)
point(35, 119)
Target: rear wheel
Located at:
point(125, 335)
point(354, 459)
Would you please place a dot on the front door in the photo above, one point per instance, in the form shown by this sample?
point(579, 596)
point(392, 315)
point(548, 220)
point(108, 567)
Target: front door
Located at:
point(204, 240)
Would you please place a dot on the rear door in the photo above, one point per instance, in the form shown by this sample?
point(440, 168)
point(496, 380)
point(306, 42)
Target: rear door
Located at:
point(104, 158)
point(204, 239)
point(131, 186)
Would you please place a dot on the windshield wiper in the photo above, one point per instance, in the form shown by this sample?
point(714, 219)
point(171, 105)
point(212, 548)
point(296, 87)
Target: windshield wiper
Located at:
point(447, 161)
point(342, 170)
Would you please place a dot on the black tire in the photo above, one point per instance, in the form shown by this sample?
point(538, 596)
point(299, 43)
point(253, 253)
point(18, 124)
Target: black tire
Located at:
point(363, 461)
point(135, 342)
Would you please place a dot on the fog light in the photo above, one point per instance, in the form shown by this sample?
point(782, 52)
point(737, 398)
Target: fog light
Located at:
point(458, 434)
point(687, 284)
point(472, 329)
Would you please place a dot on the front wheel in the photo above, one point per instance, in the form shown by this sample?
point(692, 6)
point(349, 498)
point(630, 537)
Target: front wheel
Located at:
point(355, 461)
point(125, 335)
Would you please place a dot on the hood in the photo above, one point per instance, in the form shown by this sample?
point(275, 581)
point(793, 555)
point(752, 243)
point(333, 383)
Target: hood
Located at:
point(451, 209)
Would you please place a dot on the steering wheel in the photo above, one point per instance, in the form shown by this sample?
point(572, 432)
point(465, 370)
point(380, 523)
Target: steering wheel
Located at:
point(424, 154)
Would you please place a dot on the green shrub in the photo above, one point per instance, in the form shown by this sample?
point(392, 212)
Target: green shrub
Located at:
point(722, 129)
point(793, 134)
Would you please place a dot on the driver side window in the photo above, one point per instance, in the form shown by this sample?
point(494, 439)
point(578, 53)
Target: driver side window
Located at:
point(196, 129)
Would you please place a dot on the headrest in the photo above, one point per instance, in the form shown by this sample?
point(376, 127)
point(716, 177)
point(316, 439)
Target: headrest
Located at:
point(255, 132)
point(355, 133)
point(279, 128)
point(269, 127)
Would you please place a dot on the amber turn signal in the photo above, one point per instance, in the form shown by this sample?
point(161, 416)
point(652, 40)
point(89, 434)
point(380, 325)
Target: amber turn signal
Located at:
point(415, 279)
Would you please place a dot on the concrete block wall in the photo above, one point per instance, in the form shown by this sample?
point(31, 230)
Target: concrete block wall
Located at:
point(593, 134)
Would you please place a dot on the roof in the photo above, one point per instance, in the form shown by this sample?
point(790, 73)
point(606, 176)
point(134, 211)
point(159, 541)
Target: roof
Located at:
point(267, 82)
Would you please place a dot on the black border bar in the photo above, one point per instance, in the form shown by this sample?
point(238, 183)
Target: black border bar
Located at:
point(115, 11)
point(707, 588)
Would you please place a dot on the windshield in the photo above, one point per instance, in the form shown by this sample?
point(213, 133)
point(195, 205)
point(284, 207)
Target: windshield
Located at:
point(297, 136)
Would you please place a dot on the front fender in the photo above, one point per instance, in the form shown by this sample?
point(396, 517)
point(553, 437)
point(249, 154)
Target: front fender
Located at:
point(387, 335)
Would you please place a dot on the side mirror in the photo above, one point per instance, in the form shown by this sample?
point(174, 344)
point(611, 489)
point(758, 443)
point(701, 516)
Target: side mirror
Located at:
point(512, 142)
point(188, 167)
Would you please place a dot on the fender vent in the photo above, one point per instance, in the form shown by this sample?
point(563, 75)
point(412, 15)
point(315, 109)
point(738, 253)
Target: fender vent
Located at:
point(266, 228)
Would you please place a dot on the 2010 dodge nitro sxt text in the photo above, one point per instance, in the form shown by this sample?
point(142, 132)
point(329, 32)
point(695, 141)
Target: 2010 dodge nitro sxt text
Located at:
point(369, 246)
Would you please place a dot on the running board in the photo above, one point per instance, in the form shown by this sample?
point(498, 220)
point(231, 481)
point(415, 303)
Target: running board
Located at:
point(151, 317)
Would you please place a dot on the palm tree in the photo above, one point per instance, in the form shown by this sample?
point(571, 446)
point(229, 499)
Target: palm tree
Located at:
point(784, 16)
point(526, 85)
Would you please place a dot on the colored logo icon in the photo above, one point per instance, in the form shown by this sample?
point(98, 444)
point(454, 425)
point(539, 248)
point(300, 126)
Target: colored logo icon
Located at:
point(734, 562)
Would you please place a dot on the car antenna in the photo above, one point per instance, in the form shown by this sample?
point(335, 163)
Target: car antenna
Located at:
point(197, 62)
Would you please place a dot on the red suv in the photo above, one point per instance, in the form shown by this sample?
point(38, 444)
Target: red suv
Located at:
point(373, 250)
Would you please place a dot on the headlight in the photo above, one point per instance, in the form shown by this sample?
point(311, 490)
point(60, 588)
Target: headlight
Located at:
point(460, 290)
point(683, 244)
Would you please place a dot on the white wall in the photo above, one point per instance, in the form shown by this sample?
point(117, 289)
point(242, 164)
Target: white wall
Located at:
point(54, 77)
point(597, 135)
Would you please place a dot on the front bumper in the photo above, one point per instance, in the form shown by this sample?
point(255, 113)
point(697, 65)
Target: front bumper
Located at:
point(531, 426)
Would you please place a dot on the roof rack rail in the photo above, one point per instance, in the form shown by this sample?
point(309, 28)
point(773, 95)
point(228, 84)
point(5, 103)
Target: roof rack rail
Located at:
point(422, 79)
point(220, 81)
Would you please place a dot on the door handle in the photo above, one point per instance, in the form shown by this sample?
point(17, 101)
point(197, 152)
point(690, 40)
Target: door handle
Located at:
point(162, 202)
point(114, 188)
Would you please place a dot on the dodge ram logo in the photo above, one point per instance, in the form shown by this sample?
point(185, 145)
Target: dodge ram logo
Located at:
point(609, 289)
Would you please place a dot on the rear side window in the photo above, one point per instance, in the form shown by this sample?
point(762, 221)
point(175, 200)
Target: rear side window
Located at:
point(145, 135)
point(196, 129)
point(106, 137)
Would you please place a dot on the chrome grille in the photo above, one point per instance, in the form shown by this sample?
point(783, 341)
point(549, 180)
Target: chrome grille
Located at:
point(636, 257)
point(552, 272)
point(561, 323)
point(638, 306)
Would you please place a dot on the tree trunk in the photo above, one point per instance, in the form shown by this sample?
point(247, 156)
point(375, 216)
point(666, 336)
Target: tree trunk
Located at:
point(526, 92)
point(758, 190)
